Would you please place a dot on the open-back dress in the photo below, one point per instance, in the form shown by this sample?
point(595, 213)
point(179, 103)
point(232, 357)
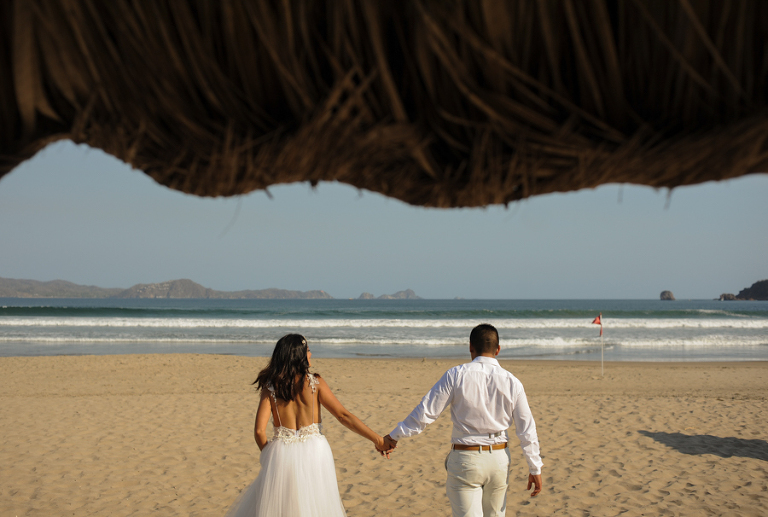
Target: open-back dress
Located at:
point(297, 477)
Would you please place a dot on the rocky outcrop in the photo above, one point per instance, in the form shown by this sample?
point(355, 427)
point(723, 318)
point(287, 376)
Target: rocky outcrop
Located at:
point(366, 296)
point(667, 295)
point(408, 294)
point(726, 297)
point(758, 291)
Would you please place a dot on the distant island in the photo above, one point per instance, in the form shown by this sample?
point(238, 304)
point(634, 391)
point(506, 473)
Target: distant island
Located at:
point(10, 288)
point(408, 294)
point(176, 289)
point(758, 291)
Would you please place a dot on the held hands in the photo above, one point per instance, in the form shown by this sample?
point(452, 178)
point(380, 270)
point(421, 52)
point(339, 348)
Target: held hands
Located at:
point(535, 481)
point(390, 443)
point(385, 445)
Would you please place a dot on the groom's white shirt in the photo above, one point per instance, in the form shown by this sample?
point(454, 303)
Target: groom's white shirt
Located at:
point(485, 400)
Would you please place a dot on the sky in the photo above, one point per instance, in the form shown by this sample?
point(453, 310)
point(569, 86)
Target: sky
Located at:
point(75, 213)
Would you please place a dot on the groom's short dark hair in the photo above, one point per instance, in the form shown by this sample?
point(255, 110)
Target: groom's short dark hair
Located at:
point(484, 338)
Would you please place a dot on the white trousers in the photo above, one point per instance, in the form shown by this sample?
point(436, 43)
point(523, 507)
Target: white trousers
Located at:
point(477, 482)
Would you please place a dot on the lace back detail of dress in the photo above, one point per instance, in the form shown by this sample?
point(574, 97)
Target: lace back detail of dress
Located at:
point(288, 435)
point(313, 382)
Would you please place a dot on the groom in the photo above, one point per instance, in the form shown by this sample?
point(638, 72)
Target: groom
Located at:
point(485, 399)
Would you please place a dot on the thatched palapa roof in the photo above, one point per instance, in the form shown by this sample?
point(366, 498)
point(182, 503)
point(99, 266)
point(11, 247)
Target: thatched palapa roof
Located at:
point(435, 102)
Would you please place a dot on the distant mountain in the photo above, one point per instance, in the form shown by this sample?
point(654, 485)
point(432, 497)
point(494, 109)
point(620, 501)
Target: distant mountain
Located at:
point(174, 289)
point(10, 288)
point(408, 294)
point(185, 288)
point(400, 295)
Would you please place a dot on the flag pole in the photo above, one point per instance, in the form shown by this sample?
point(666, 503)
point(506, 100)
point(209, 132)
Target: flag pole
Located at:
point(602, 347)
point(599, 321)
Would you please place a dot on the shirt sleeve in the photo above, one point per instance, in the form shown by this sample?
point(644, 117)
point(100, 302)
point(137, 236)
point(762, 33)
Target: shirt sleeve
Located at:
point(525, 429)
point(430, 407)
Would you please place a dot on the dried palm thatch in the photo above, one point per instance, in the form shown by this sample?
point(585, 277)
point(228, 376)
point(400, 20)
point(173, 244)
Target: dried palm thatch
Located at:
point(435, 102)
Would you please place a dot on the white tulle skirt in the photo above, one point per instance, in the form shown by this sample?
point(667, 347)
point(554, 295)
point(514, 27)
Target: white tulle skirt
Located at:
point(297, 479)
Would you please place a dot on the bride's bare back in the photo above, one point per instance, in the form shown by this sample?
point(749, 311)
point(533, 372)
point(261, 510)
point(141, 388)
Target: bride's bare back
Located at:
point(292, 354)
point(298, 413)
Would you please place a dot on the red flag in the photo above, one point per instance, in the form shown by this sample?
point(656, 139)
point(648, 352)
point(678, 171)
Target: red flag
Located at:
point(599, 321)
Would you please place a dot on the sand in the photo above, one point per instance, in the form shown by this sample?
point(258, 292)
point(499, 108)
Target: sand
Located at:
point(173, 435)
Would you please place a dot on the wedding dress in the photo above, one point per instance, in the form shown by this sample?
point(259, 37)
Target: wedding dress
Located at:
point(297, 477)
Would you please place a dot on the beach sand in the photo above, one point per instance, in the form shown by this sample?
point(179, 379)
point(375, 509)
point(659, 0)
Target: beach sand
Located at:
point(173, 435)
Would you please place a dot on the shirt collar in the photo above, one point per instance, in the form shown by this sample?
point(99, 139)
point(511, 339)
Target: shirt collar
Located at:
point(485, 359)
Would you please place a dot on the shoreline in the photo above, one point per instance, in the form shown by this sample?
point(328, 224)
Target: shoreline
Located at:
point(383, 357)
point(173, 434)
point(537, 362)
point(613, 354)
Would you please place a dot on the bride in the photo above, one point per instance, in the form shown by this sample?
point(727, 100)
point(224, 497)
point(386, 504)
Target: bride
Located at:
point(298, 476)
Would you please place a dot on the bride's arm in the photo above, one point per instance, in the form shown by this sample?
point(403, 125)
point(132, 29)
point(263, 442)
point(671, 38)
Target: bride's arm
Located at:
point(347, 419)
point(262, 419)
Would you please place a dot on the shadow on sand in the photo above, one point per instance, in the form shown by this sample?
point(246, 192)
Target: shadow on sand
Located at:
point(707, 444)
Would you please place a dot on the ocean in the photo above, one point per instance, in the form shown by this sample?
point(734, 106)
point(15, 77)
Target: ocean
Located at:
point(634, 330)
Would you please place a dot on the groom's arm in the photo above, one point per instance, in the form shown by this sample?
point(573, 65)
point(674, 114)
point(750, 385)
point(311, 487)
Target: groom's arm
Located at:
point(430, 407)
point(525, 429)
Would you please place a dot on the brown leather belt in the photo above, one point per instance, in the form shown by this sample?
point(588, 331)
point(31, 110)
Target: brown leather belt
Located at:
point(495, 447)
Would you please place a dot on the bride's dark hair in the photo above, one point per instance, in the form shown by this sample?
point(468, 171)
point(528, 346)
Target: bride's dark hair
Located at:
point(287, 369)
